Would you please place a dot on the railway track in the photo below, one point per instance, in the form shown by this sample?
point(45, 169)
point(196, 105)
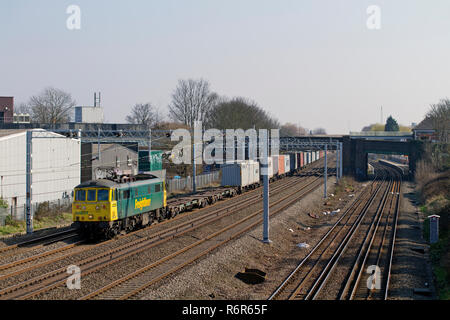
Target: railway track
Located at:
point(315, 272)
point(50, 256)
point(49, 280)
point(34, 262)
point(130, 286)
point(41, 241)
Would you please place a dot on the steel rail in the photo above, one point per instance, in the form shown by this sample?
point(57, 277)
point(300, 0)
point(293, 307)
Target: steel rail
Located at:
point(90, 263)
point(134, 292)
point(353, 207)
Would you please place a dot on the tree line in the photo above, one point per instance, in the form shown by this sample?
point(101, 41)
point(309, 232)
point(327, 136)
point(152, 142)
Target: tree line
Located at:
point(192, 100)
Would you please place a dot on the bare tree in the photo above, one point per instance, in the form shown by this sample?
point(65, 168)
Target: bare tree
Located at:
point(319, 131)
point(51, 106)
point(22, 108)
point(440, 115)
point(240, 113)
point(192, 101)
point(292, 130)
point(145, 113)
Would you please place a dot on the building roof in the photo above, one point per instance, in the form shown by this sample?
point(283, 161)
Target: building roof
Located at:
point(8, 132)
point(426, 124)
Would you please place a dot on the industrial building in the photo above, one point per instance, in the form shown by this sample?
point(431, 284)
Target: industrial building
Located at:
point(55, 166)
point(113, 157)
point(84, 114)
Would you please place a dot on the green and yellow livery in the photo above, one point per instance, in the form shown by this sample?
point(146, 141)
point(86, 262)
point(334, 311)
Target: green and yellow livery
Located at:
point(108, 207)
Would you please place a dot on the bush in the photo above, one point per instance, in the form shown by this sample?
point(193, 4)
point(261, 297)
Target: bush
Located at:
point(3, 203)
point(47, 210)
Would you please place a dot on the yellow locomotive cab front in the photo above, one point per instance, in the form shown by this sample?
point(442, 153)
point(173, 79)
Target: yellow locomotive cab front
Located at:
point(94, 205)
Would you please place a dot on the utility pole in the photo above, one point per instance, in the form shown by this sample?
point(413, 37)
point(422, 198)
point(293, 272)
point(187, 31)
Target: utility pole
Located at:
point(265, 171)
point(337, 161)
point(341, 155)
point(198, 138)
point(98, 146)
point(149, 149)
point(29, 181)
point(325, 174)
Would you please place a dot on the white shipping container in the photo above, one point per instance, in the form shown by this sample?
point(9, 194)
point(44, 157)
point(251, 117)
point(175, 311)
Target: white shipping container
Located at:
point(240, 174)
point(287, 163)
point(275, 164)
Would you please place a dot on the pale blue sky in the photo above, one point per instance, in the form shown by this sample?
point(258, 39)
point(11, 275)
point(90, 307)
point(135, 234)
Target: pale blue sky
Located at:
point(313, 62)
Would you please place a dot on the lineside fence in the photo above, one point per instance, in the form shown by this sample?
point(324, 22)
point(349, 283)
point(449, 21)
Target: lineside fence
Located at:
point(185, 184)
point(48, 207)
point(57, 206)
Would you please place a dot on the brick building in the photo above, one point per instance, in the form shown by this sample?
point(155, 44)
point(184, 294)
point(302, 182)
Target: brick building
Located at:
point(6, 109)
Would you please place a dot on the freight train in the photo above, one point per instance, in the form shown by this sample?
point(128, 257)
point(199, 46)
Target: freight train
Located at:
point(104, 208)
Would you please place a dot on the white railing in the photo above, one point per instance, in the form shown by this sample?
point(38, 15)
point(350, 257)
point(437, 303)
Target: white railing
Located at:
point(381, 134)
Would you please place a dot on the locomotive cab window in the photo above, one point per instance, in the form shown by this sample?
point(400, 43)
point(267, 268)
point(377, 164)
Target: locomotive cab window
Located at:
point(158, 188)
point(80, 195)
point(91, 195)
point(103, 195)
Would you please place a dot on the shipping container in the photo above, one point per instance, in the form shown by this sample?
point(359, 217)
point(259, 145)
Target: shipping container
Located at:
point(299, 160)
point(293, 161)
point(287, 164)
point(240, 174)
point(275, 165)
point(281, 165)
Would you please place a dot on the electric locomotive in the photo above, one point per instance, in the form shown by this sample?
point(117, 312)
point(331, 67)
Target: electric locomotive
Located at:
point(105, 207)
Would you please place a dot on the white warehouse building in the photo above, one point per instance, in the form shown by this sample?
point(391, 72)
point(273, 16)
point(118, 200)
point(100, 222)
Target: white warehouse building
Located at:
point(55, 166)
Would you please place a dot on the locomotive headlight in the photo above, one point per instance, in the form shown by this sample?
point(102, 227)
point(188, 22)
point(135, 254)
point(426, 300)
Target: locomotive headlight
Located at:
point(91, 216)
point(97, 208)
